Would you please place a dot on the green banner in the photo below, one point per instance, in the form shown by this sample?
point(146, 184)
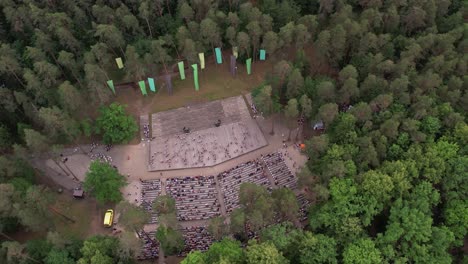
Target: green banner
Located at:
point(111, 85)
point(119, 62)
point(249, 65)
point(195, 76)
point(181, 70)
point(201, 56)
point(142, 87)
point(262, 54)
point(151, 84)
point(219, 58)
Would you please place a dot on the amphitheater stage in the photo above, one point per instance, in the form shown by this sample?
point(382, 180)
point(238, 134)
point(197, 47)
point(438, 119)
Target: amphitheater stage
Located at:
point(206, 144)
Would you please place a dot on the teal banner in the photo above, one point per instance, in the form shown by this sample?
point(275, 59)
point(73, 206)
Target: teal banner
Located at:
point(151, 84)
point(219, 58)
point(262, 54)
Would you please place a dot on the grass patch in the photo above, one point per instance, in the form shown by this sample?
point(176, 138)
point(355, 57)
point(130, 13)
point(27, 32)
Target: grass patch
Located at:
point(215, 82)
point(79, 210)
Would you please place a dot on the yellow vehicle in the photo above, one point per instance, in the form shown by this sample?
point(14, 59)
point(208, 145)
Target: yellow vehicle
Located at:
point(108, 217)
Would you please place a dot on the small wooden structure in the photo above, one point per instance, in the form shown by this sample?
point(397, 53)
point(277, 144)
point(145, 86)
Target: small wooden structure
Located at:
point(78, 193)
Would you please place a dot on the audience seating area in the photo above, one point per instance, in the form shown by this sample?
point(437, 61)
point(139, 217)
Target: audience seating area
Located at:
point(150, 249)
point(231, 180)
point(196, 238)
point(303, 206)
point(279, 170)
point(196, 197)
point(149, 191)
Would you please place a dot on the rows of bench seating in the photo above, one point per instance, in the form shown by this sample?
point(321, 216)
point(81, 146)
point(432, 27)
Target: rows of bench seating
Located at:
point(150, 249)
point(150, 190)
point(279, 170)
point(303, 206)
point(196, 197)
point(231, 180)
point(196, 238)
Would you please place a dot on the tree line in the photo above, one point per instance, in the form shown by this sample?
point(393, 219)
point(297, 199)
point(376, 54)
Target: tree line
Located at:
point(386, 178)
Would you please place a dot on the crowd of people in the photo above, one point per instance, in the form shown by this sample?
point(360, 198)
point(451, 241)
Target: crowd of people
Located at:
point(101, 157)
point(201, 148)
point(279, 170)
point(196, 197)
point(230, 181)
point(303, 206)
point(150, 190)
point(146, 132)
point(196, 238)
point(150, 245)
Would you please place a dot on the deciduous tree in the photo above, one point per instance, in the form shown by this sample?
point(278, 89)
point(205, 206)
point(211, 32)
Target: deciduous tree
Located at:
point(104, 182)
point(115, 125)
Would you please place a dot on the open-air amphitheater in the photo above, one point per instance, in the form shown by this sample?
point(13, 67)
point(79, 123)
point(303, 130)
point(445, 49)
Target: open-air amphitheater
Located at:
point(200, 198)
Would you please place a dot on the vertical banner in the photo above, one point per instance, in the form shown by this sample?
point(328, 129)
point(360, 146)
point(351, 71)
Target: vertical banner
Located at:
point(235, 52)
point(111, 85)
point(151, 84)
point(168, 83)
point(249, 65)
point(142, 87)
point(195, 76)
point(233, 65)
point(201, 56)
point(262, 54)
point(219, 58)
point(181, 70)
point(119, 62)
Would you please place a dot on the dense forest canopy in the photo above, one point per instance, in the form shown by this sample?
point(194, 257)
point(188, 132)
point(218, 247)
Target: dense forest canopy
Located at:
point(387, 178)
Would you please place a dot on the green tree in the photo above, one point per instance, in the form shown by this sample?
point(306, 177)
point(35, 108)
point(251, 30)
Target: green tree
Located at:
point(263, 253)
point(217, 227)
point(99, 249)
point(243, 43)
point(132, 217)
point(58, 125)
point(255, 33)
point(237, 225)
point(291, 112)
point(326, 91)
point(33, 210)
point(327, 113)
point(70, 97)
point(9, 64)
point(258, 205)
point(57, 256)
point(209, 32)
point(317, 249)
point(301, 36)
point(362, 251)
point(194, 257)
point(130, 245)
point(171, 240)
point(270, 42)
point(145, 12)
point(286, 204)
point(111, 36)
point(227, 251)
point(164, 204)
point(104, 182)
point(13, 252)
point(295, 84)
point(115, 125)
point(265, 104)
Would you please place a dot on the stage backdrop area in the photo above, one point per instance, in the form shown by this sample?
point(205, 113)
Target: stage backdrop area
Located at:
point(219, 131)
